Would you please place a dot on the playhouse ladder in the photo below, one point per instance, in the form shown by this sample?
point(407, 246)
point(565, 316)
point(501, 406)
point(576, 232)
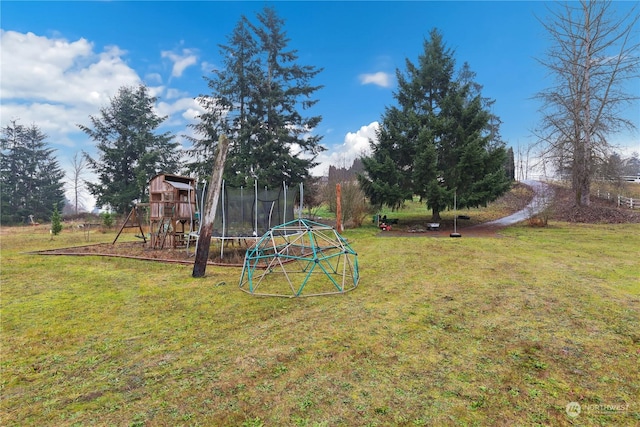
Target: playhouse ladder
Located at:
point(163, 230)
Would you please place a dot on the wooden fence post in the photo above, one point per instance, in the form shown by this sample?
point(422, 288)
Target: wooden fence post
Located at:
point(339, 226)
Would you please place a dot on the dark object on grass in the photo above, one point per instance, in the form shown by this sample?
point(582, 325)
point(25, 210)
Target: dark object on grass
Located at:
point(384, 219)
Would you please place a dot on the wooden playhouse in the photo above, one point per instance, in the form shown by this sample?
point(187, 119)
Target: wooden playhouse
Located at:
point(173, 216)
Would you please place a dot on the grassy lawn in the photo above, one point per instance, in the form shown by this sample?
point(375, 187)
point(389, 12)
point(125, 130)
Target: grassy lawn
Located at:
point(472, 331)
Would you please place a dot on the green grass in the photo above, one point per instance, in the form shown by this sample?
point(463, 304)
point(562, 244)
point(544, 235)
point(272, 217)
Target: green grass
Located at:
point(471, 331)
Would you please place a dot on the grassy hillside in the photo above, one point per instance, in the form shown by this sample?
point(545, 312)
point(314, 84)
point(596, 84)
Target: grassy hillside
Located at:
point(471, 331)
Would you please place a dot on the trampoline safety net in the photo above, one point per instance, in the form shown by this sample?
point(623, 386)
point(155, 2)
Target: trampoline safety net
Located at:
point(246, 212)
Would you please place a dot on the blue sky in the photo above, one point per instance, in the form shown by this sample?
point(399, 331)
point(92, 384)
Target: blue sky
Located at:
point(61, 61)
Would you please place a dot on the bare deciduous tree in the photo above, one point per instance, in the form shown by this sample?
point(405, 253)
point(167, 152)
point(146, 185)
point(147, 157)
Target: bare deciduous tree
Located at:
point(593, 59)
point(78, 168)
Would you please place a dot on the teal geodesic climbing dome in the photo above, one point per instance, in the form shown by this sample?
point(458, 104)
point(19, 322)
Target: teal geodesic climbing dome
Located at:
point(300, 258)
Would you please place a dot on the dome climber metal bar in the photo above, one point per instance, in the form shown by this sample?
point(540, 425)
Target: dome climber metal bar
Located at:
point(300, 258)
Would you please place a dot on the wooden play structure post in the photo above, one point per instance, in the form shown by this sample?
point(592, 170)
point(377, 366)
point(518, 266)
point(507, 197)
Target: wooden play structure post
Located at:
point(128, 223)
point(209, 217)
point(339, 226)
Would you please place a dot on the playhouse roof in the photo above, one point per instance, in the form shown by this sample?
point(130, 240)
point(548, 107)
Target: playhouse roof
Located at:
point(180, 185)
point(176, 181)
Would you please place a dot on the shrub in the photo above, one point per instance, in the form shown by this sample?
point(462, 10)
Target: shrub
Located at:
point(107, 219)
point(56, 224)
point(355, 207)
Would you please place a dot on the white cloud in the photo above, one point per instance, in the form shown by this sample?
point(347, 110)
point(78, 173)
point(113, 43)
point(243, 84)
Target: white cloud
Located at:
point(180, 61)
point(208, 67)
point(57, 84)
point(40, 69)
point(356, 144)
point(156, 91)
point(175, 94)
point(187, 108)
point(153, 78)
point(380, 79)
point(57, 121)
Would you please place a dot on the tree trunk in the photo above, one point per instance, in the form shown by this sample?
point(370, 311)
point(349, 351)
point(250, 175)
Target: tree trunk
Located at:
point(209, 217)
point(202, 253)
point(585, 196)
point(585, 179)
point(435, 216)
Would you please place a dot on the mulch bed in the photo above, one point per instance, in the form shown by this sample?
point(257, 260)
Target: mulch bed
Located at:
point(139, 250)
point(445, 231)
point(601, 211)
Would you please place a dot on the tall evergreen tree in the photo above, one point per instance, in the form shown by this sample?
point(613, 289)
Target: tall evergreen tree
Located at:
point(31, 180)
point(130, 150)
point(389, 168)
point(226, 109)
point(510, 165)
point(257, 99)
point(441, 139)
